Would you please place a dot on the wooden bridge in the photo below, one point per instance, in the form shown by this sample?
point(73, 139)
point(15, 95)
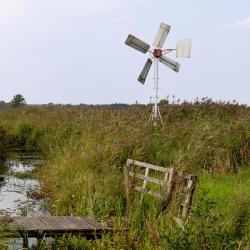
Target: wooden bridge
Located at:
point(52, 226)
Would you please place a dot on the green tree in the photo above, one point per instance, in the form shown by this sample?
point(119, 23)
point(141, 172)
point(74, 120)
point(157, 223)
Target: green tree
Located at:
point(2, 103)
point(18, 101)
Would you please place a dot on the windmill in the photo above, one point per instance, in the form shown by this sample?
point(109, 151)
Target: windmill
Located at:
point(157, 54)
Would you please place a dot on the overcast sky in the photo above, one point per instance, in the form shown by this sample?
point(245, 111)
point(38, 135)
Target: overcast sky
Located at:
point(73, 51)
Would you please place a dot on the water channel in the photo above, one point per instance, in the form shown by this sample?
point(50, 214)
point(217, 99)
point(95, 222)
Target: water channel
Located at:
point(17, 183)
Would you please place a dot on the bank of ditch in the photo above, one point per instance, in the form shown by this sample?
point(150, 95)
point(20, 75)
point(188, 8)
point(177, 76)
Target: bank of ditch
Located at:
point(86, 148)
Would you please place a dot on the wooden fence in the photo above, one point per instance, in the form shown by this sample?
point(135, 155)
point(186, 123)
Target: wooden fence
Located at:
point(168, 184)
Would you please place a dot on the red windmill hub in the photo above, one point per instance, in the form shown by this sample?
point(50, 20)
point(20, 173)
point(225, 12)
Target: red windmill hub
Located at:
point(157, 53)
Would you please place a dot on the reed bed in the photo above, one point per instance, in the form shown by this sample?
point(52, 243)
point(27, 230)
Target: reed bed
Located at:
point(86, 147)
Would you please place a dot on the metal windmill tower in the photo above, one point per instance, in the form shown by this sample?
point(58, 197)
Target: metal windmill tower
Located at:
point(157, 54)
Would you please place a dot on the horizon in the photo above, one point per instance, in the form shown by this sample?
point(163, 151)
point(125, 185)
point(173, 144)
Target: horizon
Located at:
point(174, 101)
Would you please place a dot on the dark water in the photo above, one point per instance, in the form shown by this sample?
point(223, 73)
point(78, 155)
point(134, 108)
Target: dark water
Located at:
point(14, 188)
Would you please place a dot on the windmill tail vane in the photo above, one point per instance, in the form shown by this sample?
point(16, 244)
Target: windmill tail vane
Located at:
point(157, 54)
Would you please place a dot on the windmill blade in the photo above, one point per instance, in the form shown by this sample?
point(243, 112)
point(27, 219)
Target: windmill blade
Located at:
point(170, 63)
point(161, 35)
point(142, 77)
point(137, 44)
point(184, 48)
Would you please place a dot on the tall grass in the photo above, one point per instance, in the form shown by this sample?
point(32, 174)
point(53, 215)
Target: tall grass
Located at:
point(87, 147)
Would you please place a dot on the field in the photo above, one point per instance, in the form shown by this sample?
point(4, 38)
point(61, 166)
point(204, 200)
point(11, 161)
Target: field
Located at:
point(86, 147)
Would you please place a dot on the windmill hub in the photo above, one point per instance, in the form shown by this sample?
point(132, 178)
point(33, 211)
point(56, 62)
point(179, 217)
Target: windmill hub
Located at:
point(157, 53)
point(183, 50)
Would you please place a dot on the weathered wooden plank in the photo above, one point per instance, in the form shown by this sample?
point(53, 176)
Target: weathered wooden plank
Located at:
point(79, 225)
point(83, 223)
point(144, 185)
point(22, 223)
point(60, 221)
point(150, 179)
point(56, 225)
point(50, 223)
point(38, 225)
point(147, 165)
point(66, 223)
point(93, 224)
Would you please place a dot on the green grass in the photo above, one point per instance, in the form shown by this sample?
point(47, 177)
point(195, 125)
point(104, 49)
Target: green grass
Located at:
point(225, 187)
point(86, 148)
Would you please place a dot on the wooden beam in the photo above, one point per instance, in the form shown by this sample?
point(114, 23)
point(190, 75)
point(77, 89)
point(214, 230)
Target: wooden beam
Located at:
point(147, 165)
point(147, 178)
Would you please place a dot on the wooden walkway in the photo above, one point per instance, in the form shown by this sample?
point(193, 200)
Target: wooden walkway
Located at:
point(52, 226)
point(56, 225)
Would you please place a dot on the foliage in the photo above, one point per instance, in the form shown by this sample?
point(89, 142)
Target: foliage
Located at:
point(3, 142)
point(18, 101)
point(86, 148)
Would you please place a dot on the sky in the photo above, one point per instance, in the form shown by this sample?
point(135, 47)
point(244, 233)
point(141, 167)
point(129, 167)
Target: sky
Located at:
point(73, 51)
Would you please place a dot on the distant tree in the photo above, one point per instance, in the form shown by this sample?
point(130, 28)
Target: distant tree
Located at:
point(18, 101)
point(2, 103)
point(163, 102)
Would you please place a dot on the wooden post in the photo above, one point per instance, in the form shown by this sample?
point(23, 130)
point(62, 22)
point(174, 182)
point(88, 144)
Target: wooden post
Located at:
point(189, 190)
point(144, 185)
point(39, 239)
point(25, 240)
point(169, 179)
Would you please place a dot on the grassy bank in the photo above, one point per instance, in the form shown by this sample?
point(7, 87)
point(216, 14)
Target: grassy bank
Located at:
point(87, 147)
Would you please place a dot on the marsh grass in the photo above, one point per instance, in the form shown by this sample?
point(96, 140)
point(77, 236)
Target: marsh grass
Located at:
point(86, 148)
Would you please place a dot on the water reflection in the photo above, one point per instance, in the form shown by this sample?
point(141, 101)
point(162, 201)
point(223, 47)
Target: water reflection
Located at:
point(14, 186)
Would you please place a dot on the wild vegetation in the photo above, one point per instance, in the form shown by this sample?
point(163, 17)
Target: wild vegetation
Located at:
point(86, 147)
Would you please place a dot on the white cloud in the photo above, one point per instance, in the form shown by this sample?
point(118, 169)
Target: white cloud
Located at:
point(242, 24)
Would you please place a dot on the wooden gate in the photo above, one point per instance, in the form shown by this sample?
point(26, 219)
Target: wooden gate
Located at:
point(168, 184)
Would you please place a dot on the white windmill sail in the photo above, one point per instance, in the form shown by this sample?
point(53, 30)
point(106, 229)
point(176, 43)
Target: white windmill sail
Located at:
point(184, 48)
point(137, 44)
point(142, 77)
point(170, 63)
point(161, 35)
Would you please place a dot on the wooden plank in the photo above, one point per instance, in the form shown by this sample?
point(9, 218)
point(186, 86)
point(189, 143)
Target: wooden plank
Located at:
point(145, 181)
point(22, 223)
point(150, 179)
point(98, 225)
point(156, 194)
point(62, 220)
point(144, 185)
point(95, 224)
point(147, 165)
point(55, 223)
point(49, 224)
point(82, 221)
point(79, 225)
point(38, 225)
